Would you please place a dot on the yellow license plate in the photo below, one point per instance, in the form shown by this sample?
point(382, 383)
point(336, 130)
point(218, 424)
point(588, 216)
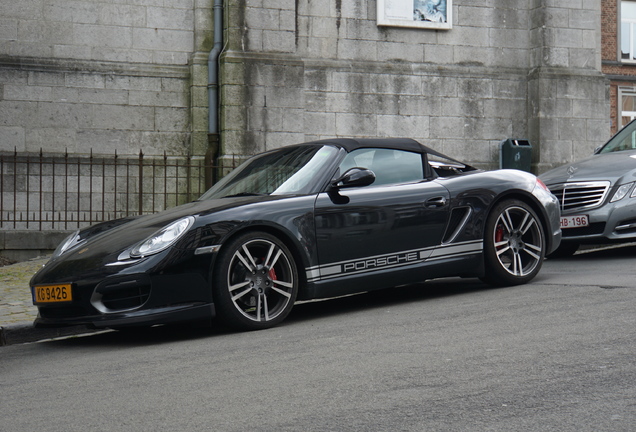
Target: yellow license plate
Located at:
point(58, 293)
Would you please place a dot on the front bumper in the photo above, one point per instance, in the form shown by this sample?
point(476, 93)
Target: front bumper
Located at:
point(145, 317)
point(132, 300)
point(610, 223)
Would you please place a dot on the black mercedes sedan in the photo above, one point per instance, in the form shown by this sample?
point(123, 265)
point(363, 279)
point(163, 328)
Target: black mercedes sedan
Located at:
point(597, 195)
point(308, 221)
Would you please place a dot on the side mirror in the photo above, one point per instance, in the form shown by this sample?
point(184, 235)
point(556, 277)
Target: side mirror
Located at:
point(354, 177)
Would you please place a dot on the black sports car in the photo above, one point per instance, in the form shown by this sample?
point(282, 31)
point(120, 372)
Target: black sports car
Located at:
point(308, 221)
point(597, 194)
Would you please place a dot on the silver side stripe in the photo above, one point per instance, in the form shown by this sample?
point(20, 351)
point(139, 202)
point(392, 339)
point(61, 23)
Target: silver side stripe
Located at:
point(313, 273)
point(397, 259)
point(456, 249)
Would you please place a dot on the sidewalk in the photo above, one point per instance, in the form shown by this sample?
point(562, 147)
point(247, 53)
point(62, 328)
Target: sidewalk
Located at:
point(16, 306)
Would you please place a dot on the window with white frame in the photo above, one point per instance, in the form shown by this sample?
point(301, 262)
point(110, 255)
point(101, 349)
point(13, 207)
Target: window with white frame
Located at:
point(628, 30)
point(627, 104)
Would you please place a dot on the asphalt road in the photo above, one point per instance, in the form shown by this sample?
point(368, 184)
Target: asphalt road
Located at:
point(557, 354)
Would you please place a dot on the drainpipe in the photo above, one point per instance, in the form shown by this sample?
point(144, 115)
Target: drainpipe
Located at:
point(213, 92)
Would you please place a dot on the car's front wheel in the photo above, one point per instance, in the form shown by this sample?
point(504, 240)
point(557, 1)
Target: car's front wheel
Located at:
point(514, 244)
point(255, 282)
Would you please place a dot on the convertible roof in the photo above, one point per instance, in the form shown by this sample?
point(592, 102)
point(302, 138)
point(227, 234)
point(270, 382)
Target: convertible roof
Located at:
point(407, 144)
point(350, 144)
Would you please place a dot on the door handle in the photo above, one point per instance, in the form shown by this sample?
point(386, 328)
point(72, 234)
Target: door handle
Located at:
point(435, 202)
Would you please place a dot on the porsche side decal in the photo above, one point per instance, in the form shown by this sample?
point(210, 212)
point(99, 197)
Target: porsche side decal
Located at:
point(397, 259)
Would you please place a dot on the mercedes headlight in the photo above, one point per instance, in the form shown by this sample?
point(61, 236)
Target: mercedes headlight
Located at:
point(621, 192)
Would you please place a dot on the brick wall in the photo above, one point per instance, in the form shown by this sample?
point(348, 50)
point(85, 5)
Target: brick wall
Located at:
point(621, 74)
point(609, 29)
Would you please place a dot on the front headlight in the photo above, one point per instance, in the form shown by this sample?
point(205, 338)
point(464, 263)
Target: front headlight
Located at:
point(163, 238)
point(68, 243)
point(621, 192)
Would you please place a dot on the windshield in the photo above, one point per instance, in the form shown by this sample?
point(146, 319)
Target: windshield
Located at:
point(288, 171)
point(624, 140)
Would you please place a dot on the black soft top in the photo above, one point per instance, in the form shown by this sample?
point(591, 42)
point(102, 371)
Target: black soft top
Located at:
point(350, 144)
point(406, 144)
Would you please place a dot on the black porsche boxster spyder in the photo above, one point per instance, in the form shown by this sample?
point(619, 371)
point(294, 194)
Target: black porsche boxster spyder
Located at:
point(308, 221)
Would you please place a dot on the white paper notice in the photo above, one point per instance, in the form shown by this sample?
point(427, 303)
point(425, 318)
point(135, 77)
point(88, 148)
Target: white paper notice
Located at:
point(398, 9)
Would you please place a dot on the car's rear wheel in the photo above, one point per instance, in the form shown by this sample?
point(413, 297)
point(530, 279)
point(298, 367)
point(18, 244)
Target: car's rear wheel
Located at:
point(255, 282)
point(514, 244)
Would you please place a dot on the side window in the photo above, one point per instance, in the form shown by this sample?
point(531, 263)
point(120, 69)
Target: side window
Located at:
point(623, 140)
point(389, 166)
point(627, 105)
point(627, 34)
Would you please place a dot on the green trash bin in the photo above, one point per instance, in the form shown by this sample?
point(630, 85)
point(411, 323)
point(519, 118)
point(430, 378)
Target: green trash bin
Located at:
point(515, 154)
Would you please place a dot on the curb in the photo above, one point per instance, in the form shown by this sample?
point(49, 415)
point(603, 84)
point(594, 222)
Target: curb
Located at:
point(25, 332)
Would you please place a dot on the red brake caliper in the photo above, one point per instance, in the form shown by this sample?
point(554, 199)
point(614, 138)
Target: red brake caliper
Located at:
point(272, 274)
point(499, 233)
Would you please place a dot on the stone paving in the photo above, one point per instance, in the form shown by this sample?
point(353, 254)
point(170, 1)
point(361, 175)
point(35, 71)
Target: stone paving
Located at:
point(16, 304)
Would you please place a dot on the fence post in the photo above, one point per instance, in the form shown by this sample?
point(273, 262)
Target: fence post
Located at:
point(1, 191)
point(41, 162)
point(53, 193)
point(115, 187)
point(90, 188)
point(15, 186)
point(66, 189)
point(141, 182)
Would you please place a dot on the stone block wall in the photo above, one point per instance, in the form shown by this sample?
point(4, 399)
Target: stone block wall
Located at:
point(130, 75)
point(568, 96)
point(302, 70)
point(124, 76)
point(111, 76)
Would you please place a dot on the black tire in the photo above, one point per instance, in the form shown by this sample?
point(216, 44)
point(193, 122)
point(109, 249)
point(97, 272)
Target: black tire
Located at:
point(255, 282)
point(565, 250)
point(514, 244)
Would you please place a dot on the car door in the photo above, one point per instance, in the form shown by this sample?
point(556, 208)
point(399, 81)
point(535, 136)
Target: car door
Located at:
point(395, 222)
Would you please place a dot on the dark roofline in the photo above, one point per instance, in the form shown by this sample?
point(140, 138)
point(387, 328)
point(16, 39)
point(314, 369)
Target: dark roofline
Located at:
point(351, 144)
point(407, 144)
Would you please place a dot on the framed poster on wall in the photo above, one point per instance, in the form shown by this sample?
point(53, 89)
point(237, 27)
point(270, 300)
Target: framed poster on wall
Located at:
point(432, 14)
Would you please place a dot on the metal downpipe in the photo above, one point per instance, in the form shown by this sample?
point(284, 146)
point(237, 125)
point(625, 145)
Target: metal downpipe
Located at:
point(213, 89)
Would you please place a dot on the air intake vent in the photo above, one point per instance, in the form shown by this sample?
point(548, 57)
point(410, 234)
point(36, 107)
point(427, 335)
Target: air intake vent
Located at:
point(456, 222)
point(121, 295)
point(126, 298)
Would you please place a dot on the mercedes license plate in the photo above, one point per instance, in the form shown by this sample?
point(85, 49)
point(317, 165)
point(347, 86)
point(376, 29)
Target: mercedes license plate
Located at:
point(576, 221)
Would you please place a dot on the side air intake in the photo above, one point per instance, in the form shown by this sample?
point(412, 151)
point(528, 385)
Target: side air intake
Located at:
point(456, 223)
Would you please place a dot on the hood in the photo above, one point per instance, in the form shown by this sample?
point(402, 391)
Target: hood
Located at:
point(617, 167)
point(104, 242)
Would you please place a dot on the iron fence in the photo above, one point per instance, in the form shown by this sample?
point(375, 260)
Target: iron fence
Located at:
point(64, 192)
